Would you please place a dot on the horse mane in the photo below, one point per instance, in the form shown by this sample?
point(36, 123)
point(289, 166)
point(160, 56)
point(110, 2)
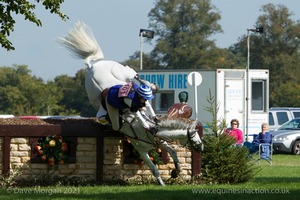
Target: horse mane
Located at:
point(178, 123)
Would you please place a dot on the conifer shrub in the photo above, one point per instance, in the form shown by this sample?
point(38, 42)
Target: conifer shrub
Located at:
point(222, 161)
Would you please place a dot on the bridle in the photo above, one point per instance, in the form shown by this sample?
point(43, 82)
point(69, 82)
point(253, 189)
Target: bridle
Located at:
point(190, 143)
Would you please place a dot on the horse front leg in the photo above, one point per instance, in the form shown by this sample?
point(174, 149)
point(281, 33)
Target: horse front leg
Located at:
point(153, 168)
point(173, 154)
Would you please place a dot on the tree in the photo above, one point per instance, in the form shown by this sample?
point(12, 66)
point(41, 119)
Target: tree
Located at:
point(74, 100)
point(22, 94)
point(222, 161)
point(277, 49)
point(184, 28)
point(25, 8)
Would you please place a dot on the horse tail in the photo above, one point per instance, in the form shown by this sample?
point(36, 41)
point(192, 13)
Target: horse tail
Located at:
point(81, 42)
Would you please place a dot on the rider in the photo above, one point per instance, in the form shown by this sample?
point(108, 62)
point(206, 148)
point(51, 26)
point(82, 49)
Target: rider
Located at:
point(132, 96)
point(182, 109)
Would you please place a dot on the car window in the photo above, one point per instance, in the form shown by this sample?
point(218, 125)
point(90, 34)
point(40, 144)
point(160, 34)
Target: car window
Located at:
point(293, 124)
point(282, 117)
point(271, 119)
point(296, 114)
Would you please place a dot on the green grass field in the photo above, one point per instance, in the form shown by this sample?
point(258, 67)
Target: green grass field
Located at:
point(280, 181)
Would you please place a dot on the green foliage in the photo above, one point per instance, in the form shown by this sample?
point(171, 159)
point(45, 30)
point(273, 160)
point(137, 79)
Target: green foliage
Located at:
point(222, 161)
point(277, 49)
point(8, 9)
point(10, 179)
point(154, 154)
point(23, 94)
point(53, 149)
point(184, 28)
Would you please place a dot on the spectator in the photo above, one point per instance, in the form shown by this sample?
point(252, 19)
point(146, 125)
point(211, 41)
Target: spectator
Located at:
point(263, 137)
point(235, 132)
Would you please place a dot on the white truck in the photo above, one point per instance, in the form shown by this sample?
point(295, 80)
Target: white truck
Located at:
point(249, 103)
point(279, 115)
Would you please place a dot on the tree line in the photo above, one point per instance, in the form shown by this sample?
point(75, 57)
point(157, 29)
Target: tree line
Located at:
point(182, 41)
point(23, 94)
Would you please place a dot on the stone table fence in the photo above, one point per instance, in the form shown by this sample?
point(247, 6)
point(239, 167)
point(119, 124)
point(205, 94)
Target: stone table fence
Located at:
point(93, 152)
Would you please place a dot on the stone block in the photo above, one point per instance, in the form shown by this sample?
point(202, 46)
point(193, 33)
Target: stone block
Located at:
point(86, 159)
point(86, 147)
point(24, 147)
point(91, 141)
point(19, 153)
point(15, 160)
point(14, 147)
point(25, 159)
point(19, 141)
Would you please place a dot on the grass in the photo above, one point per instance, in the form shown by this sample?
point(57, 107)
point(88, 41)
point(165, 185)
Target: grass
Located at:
point(280, 181)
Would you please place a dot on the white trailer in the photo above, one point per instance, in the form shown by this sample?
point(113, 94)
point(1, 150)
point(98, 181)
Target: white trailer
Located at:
point(249, 103)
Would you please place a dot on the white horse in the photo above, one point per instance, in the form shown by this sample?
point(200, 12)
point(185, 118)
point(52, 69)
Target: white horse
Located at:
point(181, 130)
point(103, 74)
point(100, 74)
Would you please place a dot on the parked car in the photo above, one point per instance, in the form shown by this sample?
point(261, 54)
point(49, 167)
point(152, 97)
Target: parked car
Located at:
point(287, 137)
point(279, 115)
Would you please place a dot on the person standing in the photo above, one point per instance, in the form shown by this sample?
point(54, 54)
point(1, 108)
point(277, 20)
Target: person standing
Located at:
point(235, 132)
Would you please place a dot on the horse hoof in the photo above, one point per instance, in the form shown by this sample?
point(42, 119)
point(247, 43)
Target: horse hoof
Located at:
point(174, 173)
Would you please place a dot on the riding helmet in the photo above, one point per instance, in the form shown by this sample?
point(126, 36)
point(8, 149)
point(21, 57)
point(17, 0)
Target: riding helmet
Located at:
point(145, 92)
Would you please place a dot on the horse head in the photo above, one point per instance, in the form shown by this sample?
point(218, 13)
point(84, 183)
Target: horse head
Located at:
point(195, 141)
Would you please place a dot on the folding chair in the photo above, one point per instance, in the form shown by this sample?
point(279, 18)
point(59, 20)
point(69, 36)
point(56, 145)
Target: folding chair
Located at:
point(261, 152)
point(265, 152)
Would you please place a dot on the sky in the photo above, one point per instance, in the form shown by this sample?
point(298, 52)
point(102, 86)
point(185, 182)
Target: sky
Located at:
point(116, 25)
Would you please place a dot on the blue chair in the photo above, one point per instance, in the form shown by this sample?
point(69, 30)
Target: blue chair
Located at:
point(263, 151)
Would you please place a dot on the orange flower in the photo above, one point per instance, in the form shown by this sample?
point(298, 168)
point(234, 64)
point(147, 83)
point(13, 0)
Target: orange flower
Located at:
point(51, 161)
point(44, 157)
point(61, 162)
point(64, 146)
point(37, 147)
point(40, 152)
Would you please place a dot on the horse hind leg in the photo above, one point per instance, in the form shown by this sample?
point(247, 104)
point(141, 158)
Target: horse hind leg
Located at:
point(175, 172)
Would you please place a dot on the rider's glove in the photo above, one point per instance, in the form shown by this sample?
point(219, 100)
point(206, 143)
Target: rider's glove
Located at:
point(155, 119)
point(153, 130)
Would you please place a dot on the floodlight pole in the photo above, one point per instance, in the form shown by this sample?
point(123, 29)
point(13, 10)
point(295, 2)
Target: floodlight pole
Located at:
point(147, 34)
point(141, 51)
point(247, 85)
point(257, 30)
